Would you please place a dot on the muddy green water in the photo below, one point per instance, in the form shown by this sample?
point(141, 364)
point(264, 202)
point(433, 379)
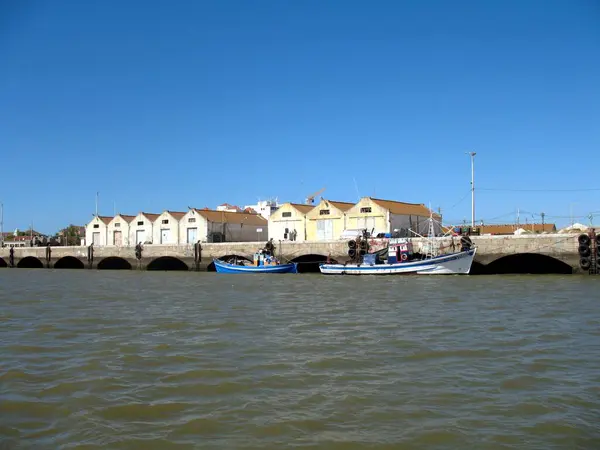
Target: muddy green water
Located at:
point(154, 360)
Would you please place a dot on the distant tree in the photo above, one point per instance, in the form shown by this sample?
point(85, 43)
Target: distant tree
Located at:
point(71, 235)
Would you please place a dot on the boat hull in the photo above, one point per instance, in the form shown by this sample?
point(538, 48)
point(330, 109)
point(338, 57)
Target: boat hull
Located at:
point(451, 264)
point(223, 267)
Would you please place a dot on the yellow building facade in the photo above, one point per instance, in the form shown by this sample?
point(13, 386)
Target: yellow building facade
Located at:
point(387, 216)
point(288, 222)
point(327, 220)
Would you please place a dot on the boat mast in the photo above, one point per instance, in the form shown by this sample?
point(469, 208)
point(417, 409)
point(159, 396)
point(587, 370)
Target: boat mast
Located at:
point(431, 251)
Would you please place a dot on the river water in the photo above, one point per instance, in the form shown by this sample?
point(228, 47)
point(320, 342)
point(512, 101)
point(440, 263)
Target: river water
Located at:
point(158, 360)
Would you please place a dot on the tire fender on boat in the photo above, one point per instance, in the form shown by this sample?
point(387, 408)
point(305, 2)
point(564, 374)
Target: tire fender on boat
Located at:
point(585, 263)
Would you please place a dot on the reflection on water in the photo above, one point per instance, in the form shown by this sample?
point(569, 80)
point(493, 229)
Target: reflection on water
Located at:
point(95, 359)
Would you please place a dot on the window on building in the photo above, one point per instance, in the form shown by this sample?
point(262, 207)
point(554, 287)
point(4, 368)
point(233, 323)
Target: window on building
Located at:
point(192, 219)
point(96, 225)
point(117, 225)
point(365, 210)
point(141, 223)
point(286, 214)
point(165, 221)
point(324, 212)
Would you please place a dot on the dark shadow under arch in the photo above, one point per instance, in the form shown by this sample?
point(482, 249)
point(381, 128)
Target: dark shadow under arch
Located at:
point(167, 263)
point(529, 263)
point(310, 263)
point(30, 262)
point(3, 263)
point(478, 268)
point(114, 263)
point(211, 266)
point(69, 262)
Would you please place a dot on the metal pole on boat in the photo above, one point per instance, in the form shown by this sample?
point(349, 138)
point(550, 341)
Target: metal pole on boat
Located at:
point(472, 154)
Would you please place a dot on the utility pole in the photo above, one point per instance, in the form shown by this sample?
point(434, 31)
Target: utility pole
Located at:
point(543, 215)
point(472, 154)
point(96, 203)
point(1, 224)
point(440, 213)
point(572, 219)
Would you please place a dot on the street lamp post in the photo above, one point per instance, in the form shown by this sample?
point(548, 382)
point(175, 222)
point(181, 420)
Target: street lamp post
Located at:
point(472, 154)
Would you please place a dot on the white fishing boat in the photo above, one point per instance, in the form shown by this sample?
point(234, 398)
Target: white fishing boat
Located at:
point(450, 264)
point(399, 258)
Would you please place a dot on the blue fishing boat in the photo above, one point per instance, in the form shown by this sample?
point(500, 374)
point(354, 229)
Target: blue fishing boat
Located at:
point(224, 267)
point(263, 261)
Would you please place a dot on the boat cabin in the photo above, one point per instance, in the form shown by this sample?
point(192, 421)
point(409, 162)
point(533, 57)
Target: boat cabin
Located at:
point(262, 258)
point(399, 250)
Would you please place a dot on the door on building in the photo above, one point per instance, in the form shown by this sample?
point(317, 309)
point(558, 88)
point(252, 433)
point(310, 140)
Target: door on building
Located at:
point(320, 230)
point(369, 223)
point(192, 235)
point(165, 236)
point(328, 225)
point(324, 229)
point(96, 238)
point(117, 238)
point(140, 236)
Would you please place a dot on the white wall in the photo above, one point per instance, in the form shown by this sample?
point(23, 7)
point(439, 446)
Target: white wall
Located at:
point(172, 226)
point(192, 220)
point(265, 208)
point(118, 224)
point(146, 225)
point(96, 226)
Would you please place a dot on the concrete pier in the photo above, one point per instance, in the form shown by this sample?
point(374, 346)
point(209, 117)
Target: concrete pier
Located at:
point(548, 250)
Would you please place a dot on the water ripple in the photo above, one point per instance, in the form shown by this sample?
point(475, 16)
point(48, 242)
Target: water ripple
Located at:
point(166, 361)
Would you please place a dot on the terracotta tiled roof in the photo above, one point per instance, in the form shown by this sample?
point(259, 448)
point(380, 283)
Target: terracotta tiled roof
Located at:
point(510, 228)
point(105, 219)
point(343, 206)
point(232, 217)
point(127, 218)
point(150, 216)
point(414, 209)
point(178, 215)
point(302, 208)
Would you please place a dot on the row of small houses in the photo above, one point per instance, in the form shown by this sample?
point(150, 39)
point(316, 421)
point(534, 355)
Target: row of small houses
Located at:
point(328, 220)
point(291, 221)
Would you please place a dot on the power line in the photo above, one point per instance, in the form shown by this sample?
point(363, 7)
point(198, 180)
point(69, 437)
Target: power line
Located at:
point(460, 201)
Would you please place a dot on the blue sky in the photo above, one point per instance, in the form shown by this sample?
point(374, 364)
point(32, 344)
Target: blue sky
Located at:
point(160, 105)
